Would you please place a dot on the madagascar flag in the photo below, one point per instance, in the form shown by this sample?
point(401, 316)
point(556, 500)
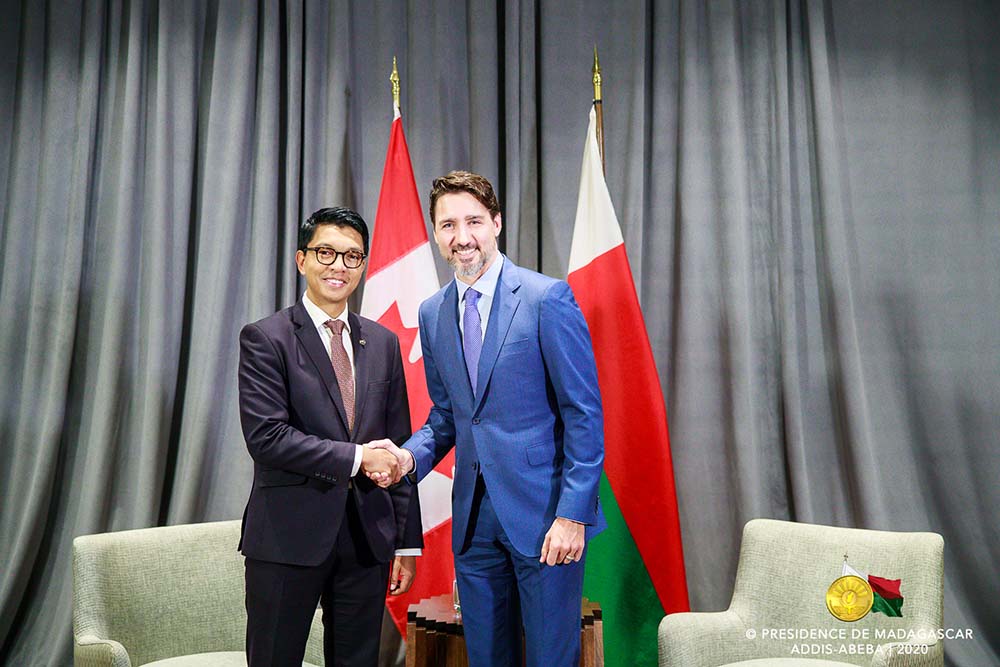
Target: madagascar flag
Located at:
point(635, 568)
point(887, 600)
point(885, 592)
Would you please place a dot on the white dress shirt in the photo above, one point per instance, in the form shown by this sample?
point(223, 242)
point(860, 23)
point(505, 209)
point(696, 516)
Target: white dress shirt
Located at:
point(487, 287)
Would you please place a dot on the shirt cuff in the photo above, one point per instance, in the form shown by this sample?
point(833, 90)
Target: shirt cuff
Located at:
point(413, 462)
point(358, 453)
point(414, 551)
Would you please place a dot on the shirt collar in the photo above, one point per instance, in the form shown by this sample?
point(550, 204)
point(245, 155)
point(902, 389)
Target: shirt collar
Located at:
point(319, 317)
point(487, 283)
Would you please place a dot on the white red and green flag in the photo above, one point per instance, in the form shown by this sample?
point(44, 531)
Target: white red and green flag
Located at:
point(401, 275)
point(635, 569)
point(886, 598)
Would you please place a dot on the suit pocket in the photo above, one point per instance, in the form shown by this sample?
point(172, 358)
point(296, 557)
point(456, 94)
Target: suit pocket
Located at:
point(513, 347)
point(378, 386)
point(541, 453)
point(279, 478)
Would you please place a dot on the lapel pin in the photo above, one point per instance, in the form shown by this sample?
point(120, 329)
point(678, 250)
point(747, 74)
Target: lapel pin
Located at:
point(362, 342)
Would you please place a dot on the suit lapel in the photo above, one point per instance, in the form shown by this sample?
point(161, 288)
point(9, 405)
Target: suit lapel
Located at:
point(505, 303)
point(359, 345)
point(309, 339)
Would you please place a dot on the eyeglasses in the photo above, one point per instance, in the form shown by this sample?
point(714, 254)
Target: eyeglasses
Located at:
point(327, 256)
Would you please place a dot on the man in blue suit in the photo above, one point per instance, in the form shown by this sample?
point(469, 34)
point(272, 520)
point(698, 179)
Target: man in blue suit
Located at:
point(511, 372)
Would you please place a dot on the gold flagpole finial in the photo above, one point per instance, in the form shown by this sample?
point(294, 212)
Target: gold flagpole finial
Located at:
point(598, 106)
point(597, 77)
point(394, 78)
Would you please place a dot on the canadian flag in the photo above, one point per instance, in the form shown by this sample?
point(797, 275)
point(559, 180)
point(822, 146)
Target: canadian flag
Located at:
point(401, 275)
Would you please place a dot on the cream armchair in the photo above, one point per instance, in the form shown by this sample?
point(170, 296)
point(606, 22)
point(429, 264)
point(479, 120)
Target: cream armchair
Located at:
point(170, 597)
point(778, 614)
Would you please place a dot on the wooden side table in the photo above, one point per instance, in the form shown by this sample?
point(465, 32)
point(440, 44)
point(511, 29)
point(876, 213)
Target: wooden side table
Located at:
point(435, 638)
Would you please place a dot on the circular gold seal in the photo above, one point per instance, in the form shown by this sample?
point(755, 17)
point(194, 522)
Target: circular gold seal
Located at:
point(849, 598)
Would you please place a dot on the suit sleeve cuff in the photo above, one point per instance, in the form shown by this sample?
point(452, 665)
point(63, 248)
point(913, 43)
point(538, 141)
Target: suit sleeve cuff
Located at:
point(409, 552)
point(578, 510)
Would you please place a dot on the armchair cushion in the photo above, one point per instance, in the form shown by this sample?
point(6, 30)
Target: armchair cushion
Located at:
point(214, 659)
point(788, 662)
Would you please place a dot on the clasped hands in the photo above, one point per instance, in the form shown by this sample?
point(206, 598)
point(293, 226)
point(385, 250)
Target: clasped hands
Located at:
point(384, 463)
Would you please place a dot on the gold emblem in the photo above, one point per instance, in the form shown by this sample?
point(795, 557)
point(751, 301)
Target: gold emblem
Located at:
point(849, 598)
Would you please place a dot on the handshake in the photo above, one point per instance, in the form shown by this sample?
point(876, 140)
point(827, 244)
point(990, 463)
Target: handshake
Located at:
point(384, 463)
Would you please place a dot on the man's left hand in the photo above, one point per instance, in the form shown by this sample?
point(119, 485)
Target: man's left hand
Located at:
point(404, 570)
point(563, 543)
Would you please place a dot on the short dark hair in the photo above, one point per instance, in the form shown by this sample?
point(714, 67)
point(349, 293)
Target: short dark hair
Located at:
point(465, 181)
point(337, 215)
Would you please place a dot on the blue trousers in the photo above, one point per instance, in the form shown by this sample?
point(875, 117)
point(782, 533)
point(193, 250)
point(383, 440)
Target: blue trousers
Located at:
point(502, 590)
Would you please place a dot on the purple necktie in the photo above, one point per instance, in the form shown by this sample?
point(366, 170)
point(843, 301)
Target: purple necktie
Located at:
point(342, 368)
point(472, 337)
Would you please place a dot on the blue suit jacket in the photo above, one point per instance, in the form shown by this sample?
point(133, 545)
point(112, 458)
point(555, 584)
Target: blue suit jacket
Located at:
point(535, 428)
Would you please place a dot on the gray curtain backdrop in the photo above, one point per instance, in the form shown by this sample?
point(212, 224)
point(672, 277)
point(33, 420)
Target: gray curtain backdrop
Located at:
point(809, 193)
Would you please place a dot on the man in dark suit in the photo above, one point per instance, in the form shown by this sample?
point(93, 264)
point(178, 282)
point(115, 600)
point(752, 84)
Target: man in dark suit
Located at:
point(511, 371)
point(314, 380)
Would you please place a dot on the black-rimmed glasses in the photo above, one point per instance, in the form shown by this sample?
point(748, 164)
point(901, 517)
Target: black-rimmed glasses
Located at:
point(327, 256)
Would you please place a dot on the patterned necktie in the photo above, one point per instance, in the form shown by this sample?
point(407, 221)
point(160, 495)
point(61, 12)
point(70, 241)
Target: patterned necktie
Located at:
point(472, 337)
point(342, 368)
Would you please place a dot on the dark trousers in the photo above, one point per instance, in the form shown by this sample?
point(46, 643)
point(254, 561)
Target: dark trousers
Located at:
point(503, 591)
point(350, 584)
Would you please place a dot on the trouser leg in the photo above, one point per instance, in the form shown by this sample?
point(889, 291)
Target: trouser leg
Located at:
point(488, 591)
point(280, 602)
point(354, 598)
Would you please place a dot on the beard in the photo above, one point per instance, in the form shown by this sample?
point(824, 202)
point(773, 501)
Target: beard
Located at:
point(475, 268)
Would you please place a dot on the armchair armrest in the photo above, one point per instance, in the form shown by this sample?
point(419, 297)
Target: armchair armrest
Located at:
point(915, 653)
point(694, 639)
point(91, 651)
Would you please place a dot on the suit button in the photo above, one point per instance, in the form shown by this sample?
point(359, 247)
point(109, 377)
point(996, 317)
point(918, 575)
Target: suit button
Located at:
point(333, 479)
point(476, 420)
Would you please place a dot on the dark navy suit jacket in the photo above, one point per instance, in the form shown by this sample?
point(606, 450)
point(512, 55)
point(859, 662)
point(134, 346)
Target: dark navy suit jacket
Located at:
point(535, 428)
point(296, 431)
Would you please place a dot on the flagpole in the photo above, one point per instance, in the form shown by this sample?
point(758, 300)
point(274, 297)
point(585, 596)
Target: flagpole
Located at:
point(598, 107)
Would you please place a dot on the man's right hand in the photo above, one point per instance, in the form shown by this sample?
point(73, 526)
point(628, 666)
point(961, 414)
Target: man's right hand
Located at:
point(380, 465)
point(403, 458)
